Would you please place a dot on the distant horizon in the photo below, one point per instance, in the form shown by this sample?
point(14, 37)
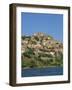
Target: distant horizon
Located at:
point(49, 24)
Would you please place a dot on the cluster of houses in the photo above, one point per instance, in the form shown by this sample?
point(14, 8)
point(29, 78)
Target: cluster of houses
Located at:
point(40, 42)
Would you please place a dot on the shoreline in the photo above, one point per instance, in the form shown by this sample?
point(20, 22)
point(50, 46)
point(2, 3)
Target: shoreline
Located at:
point(41, 67)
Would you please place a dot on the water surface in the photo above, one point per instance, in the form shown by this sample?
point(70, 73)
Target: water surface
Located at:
point(42, 71)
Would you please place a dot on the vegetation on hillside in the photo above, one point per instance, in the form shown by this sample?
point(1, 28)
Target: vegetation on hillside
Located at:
point(40, 50)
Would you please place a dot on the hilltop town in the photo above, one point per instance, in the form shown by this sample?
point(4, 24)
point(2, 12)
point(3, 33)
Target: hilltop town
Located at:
point(41, 50)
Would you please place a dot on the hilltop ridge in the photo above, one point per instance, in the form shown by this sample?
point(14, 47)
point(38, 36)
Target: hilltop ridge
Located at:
point(41, 50)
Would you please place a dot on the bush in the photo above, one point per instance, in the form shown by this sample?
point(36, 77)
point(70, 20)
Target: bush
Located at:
point(36, 38)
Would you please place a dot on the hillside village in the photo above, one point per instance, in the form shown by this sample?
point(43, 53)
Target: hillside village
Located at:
point(41, 50)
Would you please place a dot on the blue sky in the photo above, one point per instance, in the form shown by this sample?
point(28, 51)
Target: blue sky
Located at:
point(51, 24)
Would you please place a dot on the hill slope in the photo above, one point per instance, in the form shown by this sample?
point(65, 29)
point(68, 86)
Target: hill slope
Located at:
point(41, 50)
